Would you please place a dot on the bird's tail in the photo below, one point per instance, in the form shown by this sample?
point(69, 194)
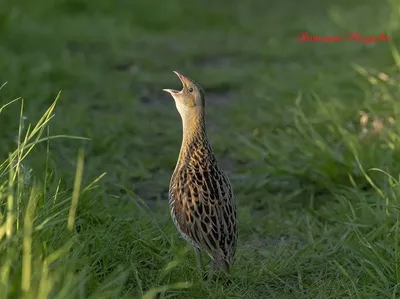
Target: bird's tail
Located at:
point(224, 265)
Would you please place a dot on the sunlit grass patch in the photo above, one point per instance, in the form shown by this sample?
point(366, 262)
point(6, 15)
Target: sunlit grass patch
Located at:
point(46, 248)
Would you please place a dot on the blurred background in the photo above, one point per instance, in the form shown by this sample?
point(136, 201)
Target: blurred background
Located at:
point(291, 122)
point(110, 61)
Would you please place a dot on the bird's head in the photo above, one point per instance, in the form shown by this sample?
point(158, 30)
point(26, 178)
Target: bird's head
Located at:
point(190, 100)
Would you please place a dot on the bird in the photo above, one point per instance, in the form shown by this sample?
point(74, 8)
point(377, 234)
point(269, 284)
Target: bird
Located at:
point(201, 198)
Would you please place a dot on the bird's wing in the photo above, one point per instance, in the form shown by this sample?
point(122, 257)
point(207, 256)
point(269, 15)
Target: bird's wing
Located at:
point(203, 207)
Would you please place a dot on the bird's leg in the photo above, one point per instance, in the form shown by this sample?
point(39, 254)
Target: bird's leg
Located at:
point(211, 270)
point(197, 253)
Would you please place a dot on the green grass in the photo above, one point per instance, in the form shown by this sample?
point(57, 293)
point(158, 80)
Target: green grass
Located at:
point(84, 182)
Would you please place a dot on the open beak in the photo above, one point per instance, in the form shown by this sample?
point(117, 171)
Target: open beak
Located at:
point(173, 91)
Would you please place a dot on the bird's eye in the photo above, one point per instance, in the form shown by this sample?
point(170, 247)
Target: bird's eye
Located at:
point(190, 89)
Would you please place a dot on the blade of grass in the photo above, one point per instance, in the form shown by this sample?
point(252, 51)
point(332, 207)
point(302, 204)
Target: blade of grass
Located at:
point(76, 190)
point(27, 242)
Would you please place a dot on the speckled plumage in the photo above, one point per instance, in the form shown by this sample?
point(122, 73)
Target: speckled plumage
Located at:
point(200, 195)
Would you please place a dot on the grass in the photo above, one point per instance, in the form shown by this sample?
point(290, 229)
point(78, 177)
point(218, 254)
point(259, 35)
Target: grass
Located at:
point(308, 133)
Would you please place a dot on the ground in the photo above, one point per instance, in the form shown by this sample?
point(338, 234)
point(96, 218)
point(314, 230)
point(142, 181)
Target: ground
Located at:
point(307, 132)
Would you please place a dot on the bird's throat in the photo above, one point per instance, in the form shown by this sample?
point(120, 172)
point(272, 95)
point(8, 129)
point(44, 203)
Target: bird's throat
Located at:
point(194, 137)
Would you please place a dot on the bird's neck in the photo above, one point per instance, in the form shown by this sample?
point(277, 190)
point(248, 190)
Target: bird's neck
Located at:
point(194, 138)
